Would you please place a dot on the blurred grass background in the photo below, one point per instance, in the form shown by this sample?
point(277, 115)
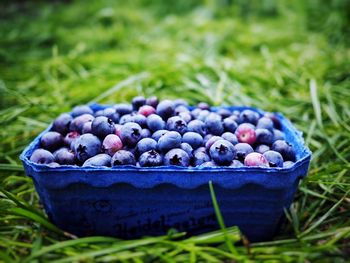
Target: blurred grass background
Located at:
point(287, 56)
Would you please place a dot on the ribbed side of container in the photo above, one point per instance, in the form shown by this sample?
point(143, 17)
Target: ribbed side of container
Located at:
point(123, 211)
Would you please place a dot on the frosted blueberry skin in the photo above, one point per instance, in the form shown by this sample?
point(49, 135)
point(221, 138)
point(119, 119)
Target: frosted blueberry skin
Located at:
point(64, 156)
point(199, 158)
point(155, 123)
point(123, 157)
point(138, 102)
point(274, 159)
point(177, 157)
point(42, 156)
point(165, 109)
point(150, 159)
point(102, 126)
point(61, 123)
point(262, 148)
point(168, 141)
point(176, 124)
point(249, 116)
point(86, 146)
point(123, 108)
point(214, 124)
point(81, 109)
point(51, 141)
point(145, 145)
point(222, 152)
point(242, 150)
point(77, 123)
point(193, 139)
point(130, 133)
point(263, 136)
point(197, 126)
point(265, 123)
point(230, 125)
point(285, 149)
point(101, 159)
point(229, 136)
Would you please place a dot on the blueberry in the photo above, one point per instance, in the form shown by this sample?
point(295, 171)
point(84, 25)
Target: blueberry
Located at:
point(263, 136)
point(118, 128)
point(278, 135)
point(229, 136)
point(64, 156)
point(112, 114)
point(145, 145)
point(70, 137)
point(152, 101)
point(169, 140)
point(245, 133)
point(165, 109)
point(81, 109)
point(155, 122)
point(145, 133)
point(256, 159)
point(101, 159)
point(222, 152)
point(51, 141)
point(197, 126)
point(86, 127)
point(111, 144)
point(262, 148)
point(123, 157)
point(265, 123)
point(193, 139)
point(275, 120)
point(288, 164)
point(207, 137)
point(200, 149)
point(177, 157)
point(224, 113)
point(249, 116)
point(150, 159)
point(187, 148)
point(181, 108)
point(214, 124)
point(146, 110)
point(139, 119)
point(180, 102)
point(177, 124)
point(211, 141)
point(242, 150)
point(130, 133)
point(41, 156)
point(285, 149)
point(123, 109)
point(156, 136)
point(78, 122)
point(186, 116)
point(203, 115)
point(208, 164)
point(195, 113)
point(203, 106)
point(126, 118)
point(86, 146)
point(199, 158)
point(102, 126)
point(236, 163)
point(137, 102)
point(230, 125)
point(275, 159)
point(61, 123)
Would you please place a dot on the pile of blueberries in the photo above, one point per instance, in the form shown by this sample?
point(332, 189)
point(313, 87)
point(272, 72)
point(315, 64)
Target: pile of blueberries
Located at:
point(151, 133)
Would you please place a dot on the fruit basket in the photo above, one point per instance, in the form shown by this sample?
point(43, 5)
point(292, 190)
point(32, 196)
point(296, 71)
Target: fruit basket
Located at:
point(128, 201)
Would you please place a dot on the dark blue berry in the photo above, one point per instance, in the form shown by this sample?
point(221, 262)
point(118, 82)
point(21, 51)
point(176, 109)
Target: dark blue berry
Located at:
point(61, 123)
point(285, 149)
point(165, 109)
point(145, 145)
point(130, 133)
point(229, 136)
point(263, 136)
point(275, 159)
point(156, 136)
point(169, 140)
point(64, 156)
point(222, 152)
point(41, 156)
point(249, 116)
point(101, 159)
point(111, 113)
point(230, 125)
point(137, 102)
point(265, 123)
point(197, 126)
point(214, 124)
point(77, 123)
point(51, 141)
point(81, 109)
point(150, 159)
point(155, 122)
point(278, 135)
point(86, 146)
point(152, 101)
point(187, 148)
point(211, 141)
point(177, 157)
point(242, 150)
point(123, 157)
point(102, 126)
point(199, 158)
point(123, 109)
point(224, 113)
point(193, 139)
point(262, 148)
point(177, 124)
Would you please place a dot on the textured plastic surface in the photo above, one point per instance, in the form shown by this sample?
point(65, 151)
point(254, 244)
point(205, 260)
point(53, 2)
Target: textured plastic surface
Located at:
point(130, 202)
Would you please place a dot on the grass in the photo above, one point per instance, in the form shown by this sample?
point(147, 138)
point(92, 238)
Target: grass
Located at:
point(286, 56)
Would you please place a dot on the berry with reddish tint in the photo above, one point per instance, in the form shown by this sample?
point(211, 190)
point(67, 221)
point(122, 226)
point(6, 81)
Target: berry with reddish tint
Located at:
point(245, 133)
point(146, 110)
point(70, 137)
point(256, 159)
point(152, 101)
point(111, 144)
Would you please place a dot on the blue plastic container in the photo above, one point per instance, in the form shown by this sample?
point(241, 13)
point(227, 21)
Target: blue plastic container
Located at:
point(130, 202)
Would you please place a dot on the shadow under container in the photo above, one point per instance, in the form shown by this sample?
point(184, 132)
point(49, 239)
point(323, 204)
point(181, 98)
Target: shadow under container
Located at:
point(130, 202)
